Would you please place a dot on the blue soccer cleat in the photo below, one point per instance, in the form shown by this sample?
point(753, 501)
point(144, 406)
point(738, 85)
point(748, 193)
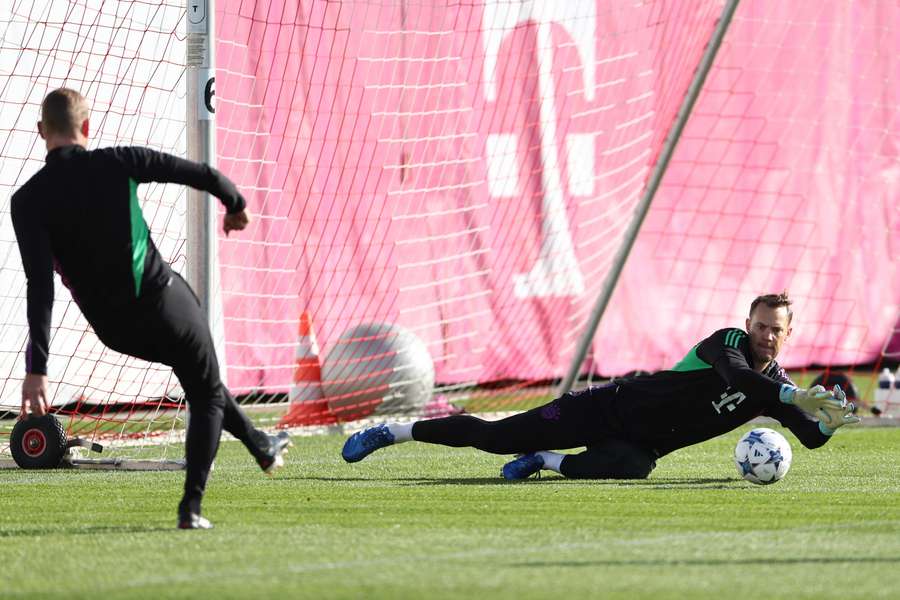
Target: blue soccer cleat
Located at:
point(523, 467)
point(365, 442)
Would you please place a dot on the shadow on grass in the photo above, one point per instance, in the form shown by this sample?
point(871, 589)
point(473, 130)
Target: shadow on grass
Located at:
point(406, 480)
point(87, 530)
point(668, 483)
point(736, 562)
point(661, 484)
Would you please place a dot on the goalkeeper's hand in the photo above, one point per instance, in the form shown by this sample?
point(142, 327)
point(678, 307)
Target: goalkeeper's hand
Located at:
point(830, 417)
point(815, 399)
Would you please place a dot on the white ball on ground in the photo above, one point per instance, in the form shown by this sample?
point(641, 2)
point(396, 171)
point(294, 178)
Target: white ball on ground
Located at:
point(763, 456)
point(377, 367)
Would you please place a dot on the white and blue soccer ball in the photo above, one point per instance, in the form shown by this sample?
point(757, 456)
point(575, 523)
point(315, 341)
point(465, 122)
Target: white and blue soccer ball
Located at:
point(763, 456)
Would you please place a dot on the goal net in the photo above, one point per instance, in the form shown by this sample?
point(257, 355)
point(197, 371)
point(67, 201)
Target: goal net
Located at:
point(464, 171)
point(128, 59)
point(439, 189)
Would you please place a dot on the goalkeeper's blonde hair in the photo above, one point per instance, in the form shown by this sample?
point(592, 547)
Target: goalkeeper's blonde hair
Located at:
point(63, 111)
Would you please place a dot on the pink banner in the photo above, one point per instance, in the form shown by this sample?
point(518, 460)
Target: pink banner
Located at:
point(786, 178)
point(468, 172)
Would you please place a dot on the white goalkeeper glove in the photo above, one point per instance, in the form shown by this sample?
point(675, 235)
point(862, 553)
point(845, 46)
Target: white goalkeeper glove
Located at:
point(811, 401)
point(830, 418)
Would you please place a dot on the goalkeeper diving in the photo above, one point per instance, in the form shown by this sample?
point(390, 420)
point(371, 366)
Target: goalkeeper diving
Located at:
point(726, 380)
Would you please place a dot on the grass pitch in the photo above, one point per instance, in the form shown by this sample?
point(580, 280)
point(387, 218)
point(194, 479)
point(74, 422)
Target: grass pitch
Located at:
point(419, 521)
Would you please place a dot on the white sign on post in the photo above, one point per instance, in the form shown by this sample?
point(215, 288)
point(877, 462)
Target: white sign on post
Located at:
point(198, 56)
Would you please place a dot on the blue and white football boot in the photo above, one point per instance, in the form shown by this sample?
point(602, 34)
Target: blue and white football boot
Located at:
point(365, 442)
point(522, 467)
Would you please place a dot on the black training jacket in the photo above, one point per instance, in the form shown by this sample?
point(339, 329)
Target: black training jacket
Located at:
point(80, 215)
point(712, 391)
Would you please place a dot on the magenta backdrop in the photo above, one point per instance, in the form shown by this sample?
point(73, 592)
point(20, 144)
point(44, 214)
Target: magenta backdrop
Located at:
point(468, 173)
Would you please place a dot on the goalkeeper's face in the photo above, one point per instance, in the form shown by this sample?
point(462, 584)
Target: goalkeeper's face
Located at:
point(768, 328)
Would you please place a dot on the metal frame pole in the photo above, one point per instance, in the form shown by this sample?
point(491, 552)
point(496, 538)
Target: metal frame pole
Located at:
point(643, 205)
point(201, 146)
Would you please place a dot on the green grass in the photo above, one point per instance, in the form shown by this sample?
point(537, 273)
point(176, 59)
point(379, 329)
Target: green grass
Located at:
point(420, 521)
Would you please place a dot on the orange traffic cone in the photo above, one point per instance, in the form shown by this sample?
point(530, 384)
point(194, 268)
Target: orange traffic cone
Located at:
point(308, 405)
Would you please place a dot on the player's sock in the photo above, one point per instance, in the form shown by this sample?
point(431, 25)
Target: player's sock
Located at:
point(402, 432)
point(552, 460)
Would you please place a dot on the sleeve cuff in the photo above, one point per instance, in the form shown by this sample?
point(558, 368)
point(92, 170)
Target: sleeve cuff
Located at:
point(786, 393)
point(825, 430)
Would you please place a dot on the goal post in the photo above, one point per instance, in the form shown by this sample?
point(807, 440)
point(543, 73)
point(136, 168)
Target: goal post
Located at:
point(202, 266)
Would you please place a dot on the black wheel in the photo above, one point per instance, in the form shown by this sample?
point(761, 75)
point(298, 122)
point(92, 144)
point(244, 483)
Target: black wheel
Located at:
point(38, 443)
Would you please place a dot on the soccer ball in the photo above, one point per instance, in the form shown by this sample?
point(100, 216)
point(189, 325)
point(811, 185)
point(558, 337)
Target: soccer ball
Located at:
point(762, 456)
point(379, 368)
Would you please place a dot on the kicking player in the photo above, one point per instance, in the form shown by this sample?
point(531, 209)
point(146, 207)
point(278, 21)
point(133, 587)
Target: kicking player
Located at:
point(725, 381)
point(80, 215)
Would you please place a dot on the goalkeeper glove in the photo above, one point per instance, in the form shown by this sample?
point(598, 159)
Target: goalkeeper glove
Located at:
point(811, 400)
point(830, 418)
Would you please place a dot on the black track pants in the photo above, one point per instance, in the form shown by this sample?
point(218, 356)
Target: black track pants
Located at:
point(571, 421)
point(170, 327)
point(610, 459)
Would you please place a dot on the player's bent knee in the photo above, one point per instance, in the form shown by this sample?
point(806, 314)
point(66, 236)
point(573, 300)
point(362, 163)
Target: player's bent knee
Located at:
point(637, 470)
point(594, 464)
point(642, 473)
point(635, 467)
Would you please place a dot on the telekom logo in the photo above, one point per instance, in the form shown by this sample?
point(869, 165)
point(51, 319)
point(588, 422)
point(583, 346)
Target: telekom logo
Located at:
point(556, 272)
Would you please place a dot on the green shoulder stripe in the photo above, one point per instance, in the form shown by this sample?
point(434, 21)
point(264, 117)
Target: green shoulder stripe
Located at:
point(734, 337)
point(691, 362)
point(139, 236)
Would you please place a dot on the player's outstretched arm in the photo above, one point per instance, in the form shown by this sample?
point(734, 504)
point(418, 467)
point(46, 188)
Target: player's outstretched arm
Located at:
point(726, 351)
point(145, 165)
point(37, 261)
